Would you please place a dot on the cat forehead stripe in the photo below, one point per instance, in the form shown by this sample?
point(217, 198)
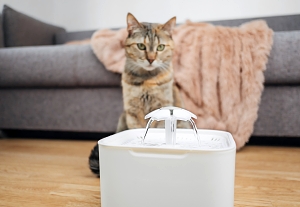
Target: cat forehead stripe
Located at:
point(150, 34)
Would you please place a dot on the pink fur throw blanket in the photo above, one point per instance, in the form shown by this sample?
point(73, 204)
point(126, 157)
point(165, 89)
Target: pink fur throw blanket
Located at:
point(219, 71)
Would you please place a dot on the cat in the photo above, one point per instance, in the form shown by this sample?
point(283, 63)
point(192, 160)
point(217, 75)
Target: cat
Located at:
point(147, 80)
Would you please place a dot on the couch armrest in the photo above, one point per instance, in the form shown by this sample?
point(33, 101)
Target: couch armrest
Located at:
point(53, 66)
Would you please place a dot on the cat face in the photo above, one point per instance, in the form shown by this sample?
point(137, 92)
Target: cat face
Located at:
point(149, 46)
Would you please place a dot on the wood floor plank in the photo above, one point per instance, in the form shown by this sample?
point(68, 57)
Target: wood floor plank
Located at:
point(40, 173)
point(37, 172)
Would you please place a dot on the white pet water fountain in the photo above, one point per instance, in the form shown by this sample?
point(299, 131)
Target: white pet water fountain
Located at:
point(167, 167)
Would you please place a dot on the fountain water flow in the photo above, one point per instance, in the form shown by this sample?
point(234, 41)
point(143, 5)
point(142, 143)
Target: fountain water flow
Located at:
point(195, 131)
point(147, 128)
point(170, 115)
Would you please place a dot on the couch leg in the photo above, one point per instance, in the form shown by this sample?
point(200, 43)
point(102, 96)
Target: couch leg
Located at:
point(2, 134)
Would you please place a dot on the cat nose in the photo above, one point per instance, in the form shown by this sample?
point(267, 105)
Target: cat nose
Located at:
point(150, 60)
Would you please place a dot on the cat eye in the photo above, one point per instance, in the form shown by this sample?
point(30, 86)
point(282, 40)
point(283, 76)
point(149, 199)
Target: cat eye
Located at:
point(141, 46)
point(160, 47)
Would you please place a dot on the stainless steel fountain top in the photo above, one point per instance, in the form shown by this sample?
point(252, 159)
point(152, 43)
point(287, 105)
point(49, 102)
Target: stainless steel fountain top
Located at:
point(170, 115)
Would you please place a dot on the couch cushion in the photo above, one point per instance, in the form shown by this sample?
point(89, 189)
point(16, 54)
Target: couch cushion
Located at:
point(77, 66)
point(1, 33)
point(276, 23)
point(283, 66)
point(64, 37)
point(22, 30)
point(59, 66)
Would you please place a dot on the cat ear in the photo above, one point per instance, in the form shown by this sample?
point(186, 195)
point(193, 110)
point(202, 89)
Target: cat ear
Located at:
point(169, 26)
point(132, 23)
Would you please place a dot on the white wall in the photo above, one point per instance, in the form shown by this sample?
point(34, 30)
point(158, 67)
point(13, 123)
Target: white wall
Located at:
point(92, 14)
point(73, 15)
point(195, 10)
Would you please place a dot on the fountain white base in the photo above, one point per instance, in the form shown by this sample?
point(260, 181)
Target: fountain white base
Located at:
point(133, 174)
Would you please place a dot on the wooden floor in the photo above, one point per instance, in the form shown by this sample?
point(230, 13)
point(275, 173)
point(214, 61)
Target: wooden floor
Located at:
point(55, 173)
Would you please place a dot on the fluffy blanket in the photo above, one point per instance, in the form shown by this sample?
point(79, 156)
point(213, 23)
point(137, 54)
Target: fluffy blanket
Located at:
point(219, 71)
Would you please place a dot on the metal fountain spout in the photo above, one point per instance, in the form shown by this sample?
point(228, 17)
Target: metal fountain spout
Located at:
point(170, 115)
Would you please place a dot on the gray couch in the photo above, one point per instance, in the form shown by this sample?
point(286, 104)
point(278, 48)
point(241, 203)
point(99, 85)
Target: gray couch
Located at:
point(66, 88)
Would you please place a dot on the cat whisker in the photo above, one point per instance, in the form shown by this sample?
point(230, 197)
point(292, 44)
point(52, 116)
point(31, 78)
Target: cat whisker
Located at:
point(164, 67)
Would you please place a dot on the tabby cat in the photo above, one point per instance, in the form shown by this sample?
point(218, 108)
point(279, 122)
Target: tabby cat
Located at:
point(147, 80)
